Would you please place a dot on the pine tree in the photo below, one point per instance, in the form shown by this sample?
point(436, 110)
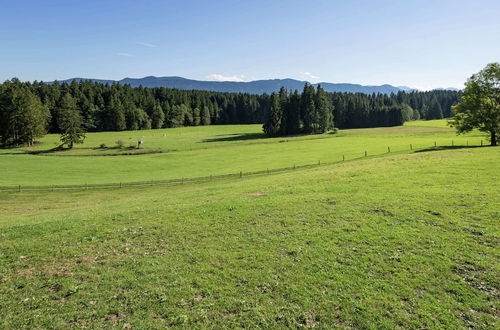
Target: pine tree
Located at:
point(324, 110)
point(70, 121)
point(205, 116)
point(157, 116)
point(308, 108)
point(435, 111)
point(273, 121)
point(24, 117)
point(283, 101)
point(292, 116)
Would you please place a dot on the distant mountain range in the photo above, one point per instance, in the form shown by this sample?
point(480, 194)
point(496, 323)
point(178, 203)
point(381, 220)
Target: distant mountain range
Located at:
point(252, 87)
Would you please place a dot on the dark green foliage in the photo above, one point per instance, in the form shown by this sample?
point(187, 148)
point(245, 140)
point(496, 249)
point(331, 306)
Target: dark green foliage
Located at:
point(272, 126)
point(324, 108)
point(70, 121)
point(435, 111)
point(157, 116)
point(480, 104)
point(116, 107)
point(23, 118)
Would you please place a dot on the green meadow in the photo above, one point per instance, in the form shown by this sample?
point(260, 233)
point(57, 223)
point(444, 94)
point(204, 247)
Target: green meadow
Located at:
point(191, 152)
point(407, 240)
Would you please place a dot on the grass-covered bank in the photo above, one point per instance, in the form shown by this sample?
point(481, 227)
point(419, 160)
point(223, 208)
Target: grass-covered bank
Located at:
point(204, 151)
point(400, 241)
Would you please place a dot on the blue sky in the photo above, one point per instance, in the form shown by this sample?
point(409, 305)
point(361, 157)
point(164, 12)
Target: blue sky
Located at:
point(420, 43)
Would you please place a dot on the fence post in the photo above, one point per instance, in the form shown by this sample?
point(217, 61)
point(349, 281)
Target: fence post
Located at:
point(319, 162)
point(366, 153)
point(481, 143)
point(388, 149)
point(411, 146)
point(293, 166)
point(120, 184)
point(241, 174)
point(452, 143)
point(343, 157)
point(19, 188)
point(435, 145)
point(467, 143)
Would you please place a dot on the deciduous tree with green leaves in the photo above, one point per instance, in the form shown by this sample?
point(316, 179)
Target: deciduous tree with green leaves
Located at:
point(479, 107)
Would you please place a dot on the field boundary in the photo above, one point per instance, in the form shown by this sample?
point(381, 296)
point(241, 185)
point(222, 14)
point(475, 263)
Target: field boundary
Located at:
point(241, 174)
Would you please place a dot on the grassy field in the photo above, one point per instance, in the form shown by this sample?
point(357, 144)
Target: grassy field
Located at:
point(443, 123)
point(203, 151)
point(405, 240)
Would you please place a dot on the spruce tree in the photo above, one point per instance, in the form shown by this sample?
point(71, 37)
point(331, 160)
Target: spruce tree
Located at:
point(308, 108)
point(292, 117)
point(324, 110)
point(24, 117)
point(272, 125)
point(157, 116)
point(70, 121)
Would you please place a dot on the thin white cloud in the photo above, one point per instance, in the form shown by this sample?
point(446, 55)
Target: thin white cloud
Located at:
point(219, 77)
point(145, 44)
point(125, 54)
point(309, 75)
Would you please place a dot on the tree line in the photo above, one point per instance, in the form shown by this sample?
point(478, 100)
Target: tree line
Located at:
point(30, 110)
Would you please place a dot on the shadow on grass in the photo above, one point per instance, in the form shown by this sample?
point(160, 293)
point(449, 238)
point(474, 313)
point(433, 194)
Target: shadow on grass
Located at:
point(237, 137)
point(47, 151)
point(448, 148)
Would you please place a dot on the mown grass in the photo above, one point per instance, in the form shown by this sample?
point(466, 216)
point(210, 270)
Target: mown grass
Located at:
point(204, 151)
point(408, 240)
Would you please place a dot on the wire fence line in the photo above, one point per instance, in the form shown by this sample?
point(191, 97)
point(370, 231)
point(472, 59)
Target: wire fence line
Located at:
point(241, 174)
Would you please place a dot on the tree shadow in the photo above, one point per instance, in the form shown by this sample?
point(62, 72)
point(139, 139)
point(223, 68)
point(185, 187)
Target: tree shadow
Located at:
point(448, 148)
point(47, 151)
point(237, 137)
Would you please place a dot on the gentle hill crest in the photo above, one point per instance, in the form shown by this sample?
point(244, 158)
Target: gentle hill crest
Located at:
point(252, 87)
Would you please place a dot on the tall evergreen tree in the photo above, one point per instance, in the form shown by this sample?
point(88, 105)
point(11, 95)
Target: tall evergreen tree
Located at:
point(308, 108)
point(70, 121)
point(324, 110)
point(272, 126)
point(24, 118)
point(157, 116)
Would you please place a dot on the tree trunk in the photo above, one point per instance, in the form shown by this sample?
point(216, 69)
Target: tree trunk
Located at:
point(493, 138)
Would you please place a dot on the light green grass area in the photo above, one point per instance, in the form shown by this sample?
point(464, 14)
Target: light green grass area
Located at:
point(401, 241)
point(204, 151)
point(443, 123)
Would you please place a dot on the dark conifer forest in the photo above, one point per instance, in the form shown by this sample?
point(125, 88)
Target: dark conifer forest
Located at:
point(29, 110)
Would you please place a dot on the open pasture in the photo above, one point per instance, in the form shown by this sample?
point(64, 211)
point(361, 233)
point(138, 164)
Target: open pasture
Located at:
point(203, 151)
point(405, 240)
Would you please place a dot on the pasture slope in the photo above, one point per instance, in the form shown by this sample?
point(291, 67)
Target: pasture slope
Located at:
point(404, 240)
point(204, 151)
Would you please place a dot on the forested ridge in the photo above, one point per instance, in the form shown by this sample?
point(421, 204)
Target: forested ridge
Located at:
point(29, 110)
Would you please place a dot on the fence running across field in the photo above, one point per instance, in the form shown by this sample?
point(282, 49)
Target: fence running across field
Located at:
point(241, 174)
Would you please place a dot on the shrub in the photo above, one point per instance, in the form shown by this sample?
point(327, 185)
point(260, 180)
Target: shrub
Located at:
point(120, 143)
point(103, 146)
